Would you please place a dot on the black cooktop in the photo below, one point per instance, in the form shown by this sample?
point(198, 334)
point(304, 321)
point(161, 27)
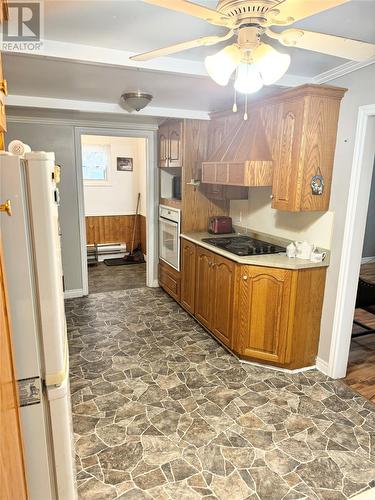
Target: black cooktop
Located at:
point(244, 245)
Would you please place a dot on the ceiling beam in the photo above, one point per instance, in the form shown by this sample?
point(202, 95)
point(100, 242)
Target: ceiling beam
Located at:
point(120, 58)
point(100, 107)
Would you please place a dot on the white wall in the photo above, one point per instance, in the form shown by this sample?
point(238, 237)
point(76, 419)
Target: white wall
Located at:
point(256, 213)
point(369, 243)
point(119, 196)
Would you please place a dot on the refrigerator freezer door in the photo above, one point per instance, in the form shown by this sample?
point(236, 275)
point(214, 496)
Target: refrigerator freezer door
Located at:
point(18, 258)
point(43, 201)
point(62, 435)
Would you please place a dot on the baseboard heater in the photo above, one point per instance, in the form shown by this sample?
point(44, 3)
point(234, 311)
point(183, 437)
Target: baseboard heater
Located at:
point(97, 250)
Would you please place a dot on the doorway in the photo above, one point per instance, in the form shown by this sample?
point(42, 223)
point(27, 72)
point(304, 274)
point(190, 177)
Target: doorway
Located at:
point(113, 175)
point(354, 231)
point(361, 367)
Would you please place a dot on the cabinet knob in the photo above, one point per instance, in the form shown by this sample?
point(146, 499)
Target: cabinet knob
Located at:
point(271, 196)
point(244, 277)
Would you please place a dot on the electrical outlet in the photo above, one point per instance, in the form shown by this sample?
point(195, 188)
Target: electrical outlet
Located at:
point(237, 218)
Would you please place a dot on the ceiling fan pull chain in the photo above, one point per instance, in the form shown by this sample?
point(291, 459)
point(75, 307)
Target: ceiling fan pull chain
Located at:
point(245, 116)
point(234, 109)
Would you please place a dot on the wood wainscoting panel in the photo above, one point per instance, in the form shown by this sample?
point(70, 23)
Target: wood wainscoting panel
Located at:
point(115, 229)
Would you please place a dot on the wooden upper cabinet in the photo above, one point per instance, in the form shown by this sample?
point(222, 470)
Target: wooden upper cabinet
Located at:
point(222, 299)
point(175, 144)
point(188, 276)
point(170, 144)
point(288, 141)
point(288, 172)
point(305, 150)
point(262, 313)
point(163, 146)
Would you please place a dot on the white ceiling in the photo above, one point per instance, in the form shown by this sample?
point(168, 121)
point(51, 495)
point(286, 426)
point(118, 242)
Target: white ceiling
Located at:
point(80, 72)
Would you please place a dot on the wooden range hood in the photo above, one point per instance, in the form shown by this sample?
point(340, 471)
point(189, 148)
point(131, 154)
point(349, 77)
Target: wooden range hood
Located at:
point(243, 159)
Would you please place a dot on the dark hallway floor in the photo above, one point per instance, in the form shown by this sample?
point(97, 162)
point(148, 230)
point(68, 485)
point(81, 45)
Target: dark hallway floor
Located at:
point(162, 411)
point(104, 278)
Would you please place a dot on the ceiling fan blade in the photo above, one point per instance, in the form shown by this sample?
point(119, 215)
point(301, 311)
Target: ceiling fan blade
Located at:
point(327, 44)
point(290, 11)
point(179, 47)
point(209, 15)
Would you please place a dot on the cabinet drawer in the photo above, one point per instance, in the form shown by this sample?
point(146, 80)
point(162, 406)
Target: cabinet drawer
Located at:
point(170, 280)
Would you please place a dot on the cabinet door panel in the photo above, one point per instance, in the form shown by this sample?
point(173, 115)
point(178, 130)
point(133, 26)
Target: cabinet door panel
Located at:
point(288, 165)
point(222, 173)
point(175, 144)
point(188, 276)
point(236, 174)
point(209, 173)
point(204, 270)
point(263, 313)
point(163, 146)
point(223, 285)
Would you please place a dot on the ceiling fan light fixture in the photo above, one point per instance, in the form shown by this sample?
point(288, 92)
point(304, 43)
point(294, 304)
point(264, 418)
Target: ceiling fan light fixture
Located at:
point(136, 100)
point(271, 64)
point(221, 65)
point(248, 79)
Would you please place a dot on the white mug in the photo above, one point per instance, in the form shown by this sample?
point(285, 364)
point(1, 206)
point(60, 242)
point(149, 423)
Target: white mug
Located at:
point(318, 256)
point(304, 249)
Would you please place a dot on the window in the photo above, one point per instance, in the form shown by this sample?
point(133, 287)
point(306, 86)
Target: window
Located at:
point(95, 163)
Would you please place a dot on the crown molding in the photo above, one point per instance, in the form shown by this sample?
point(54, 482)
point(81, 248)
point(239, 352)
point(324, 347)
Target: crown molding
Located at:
point(343, 69)
point(100, 107)
point(44, 120)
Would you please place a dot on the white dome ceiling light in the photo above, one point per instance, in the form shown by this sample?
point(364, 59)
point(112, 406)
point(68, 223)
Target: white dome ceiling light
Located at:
point(135, 101)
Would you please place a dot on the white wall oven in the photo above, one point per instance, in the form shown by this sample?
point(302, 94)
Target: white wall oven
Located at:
point(169, 235)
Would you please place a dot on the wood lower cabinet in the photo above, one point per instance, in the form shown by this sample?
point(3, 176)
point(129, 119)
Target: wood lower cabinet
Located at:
point(170, 280)
point(203, 285)
point(188, 276)
point(277, 314)
point(214, 293)
point(222, 299)
point(262, 313)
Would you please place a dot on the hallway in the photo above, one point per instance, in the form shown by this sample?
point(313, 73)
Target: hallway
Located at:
point(104, 278)
point(161, 410)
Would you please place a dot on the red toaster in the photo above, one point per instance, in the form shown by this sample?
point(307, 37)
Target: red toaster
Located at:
point(220, 225)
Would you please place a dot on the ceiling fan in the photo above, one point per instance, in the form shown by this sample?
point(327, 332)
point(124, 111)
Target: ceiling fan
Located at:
point(257, 63)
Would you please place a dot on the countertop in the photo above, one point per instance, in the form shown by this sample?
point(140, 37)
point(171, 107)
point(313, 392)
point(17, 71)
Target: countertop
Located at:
point(269, 260)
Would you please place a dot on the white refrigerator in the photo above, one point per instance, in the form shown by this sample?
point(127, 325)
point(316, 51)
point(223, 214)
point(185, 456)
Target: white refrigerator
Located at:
point(32, 257)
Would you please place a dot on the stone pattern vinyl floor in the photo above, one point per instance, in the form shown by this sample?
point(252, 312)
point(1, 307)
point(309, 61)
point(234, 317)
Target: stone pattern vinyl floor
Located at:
point(162, 411)
point(104, 278)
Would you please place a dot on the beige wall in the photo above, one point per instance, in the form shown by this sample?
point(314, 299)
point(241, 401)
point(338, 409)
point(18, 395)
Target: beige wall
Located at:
point(256, 213)
point(119, 196)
